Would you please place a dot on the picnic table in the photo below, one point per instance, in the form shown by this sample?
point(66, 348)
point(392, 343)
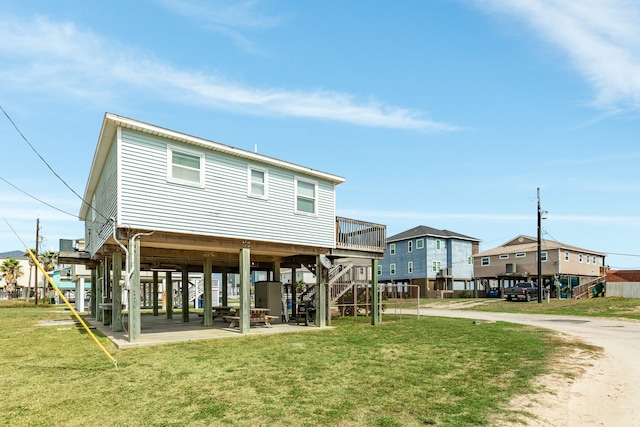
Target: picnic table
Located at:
point(257, 316)
point(222, 311)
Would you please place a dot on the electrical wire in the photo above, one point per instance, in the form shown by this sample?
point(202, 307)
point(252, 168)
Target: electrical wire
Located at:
point(49, 166)
point(39, 200)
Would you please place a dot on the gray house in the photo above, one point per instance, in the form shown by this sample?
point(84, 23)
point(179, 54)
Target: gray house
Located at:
point(164, 201)
point(429, 259)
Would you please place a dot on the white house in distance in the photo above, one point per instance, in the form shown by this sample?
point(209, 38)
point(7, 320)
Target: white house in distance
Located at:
point(178, 203)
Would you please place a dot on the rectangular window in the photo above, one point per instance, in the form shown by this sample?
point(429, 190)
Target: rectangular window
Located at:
point(185, 167)
point(566, 256)
point(436, 266)
point(258, 183)
point(595, 259)
point(504, 256)
point(485, 261)
point(410, 267)
point(588, 259)
point(306, 196)
point(438, 245)
point(392, 269)
point(469, 260)
point(580, 258)
point(392, 249)
point(379, 270)
point(521, 255)
point(543, 256)
point(410, 246)
point(419, 243)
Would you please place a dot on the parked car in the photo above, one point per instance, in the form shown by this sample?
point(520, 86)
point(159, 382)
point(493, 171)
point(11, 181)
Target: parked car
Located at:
point(493, 293)
point(524, 290)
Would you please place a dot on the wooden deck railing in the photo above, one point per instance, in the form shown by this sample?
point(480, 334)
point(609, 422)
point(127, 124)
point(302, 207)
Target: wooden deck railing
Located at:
point(360, 235)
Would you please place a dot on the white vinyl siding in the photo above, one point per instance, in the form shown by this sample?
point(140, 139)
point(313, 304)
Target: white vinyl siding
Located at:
point(220, 208)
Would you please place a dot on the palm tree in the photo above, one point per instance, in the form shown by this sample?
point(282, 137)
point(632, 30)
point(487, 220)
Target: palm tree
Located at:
point(48, 260)
point(31, 266)
point(11, 270)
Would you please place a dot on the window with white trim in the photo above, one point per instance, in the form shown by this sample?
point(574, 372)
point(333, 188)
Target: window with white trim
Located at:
point(486, 261)
point(306, 196)
point(410, 267)
point(438, 245)
point(410, 246)
point(595, 259)
point(469, 260)
point(521, 255)
point(504, 256)
point(588, 258)
point(566, 256)
point(543, 256)
point(392, 248)
point(258, 183)
point(580, 258)
point(436, 266)
point(392, 269)
point(185, 167)
point(379, 269)
point(419, 243)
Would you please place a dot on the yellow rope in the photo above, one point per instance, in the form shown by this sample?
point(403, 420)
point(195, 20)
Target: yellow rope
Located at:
point(75, 313)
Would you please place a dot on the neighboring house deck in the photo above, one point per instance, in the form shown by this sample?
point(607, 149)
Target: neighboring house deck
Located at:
point(176, 202)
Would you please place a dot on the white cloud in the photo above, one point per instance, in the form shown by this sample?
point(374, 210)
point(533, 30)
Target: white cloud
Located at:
point(63, 59)
point(601, 38)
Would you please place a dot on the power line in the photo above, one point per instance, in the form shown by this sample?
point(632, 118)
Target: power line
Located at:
point(41, 201)
point(50, 168)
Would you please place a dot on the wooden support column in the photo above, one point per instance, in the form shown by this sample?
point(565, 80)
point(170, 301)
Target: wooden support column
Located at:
point(225, 287)
point(134, 291)
point(185, 292)
point(154, 293)
point(294, 296)
point(245, 285)
point(375, 306)
point(94, 305)
point(207, 271)
point(99, 284)
point(116, 325)
point(169, 295)
point(321, 295)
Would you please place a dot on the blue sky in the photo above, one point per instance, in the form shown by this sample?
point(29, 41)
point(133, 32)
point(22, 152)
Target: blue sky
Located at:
point(441, 113)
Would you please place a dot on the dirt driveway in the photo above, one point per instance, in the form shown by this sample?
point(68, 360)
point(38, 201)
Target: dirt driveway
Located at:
point(607, 391)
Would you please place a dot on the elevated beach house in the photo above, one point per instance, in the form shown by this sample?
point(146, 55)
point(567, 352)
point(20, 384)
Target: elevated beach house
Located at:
point(163, 201)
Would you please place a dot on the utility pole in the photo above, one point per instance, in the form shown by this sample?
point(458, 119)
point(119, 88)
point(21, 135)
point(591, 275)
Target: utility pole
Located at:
point(539, 250)
point(36, 256)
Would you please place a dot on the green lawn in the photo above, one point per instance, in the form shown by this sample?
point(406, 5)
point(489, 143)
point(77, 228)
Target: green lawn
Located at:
point(404, 372)
point(628, 308)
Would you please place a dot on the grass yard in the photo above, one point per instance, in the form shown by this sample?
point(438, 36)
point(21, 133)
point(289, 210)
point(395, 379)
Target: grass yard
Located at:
point(628, 308)
point(435, 371)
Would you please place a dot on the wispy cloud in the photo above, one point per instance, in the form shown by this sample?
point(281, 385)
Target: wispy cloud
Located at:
point(231, 18)
point(383, 216)
point(63, 59)
point(601, 38)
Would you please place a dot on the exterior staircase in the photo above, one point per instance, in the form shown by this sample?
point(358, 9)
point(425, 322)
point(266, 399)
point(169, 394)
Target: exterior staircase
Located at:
point(586, 289)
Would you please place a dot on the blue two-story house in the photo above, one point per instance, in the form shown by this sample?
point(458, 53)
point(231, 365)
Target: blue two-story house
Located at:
point(428, 259)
